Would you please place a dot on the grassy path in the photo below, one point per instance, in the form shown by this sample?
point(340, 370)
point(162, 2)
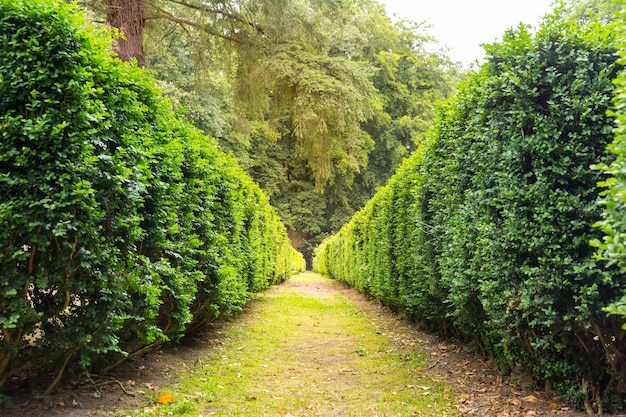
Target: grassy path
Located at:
point(308, 347)
point(302, 349)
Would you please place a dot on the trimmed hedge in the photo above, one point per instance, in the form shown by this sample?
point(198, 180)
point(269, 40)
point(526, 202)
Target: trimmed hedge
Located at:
point(122, 226)
point(483, 235)
point(612, 246)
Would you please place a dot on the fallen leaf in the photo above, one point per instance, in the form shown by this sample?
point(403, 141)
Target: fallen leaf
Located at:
point(152, 386)
point(151, 410)
point(165, 398)
point(515, 401)
point(553, 406)
point(531, 399)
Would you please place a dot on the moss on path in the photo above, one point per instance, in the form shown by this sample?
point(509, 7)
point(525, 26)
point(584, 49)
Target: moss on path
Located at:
point(303, 349)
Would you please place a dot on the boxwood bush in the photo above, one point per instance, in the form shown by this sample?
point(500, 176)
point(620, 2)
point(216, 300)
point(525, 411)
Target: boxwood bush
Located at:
point(612, 246)
point(122, 226)
point(484, 233)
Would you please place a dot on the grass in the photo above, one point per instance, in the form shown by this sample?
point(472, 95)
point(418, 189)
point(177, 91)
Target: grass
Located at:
point(297, 353)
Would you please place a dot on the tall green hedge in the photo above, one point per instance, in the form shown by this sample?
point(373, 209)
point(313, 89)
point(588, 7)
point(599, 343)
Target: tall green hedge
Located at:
point(612, 246)
point(122, 226)
point(484, 234)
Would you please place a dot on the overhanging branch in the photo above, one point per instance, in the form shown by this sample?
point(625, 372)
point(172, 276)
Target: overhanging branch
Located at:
point(225, 13)
point(203, 27)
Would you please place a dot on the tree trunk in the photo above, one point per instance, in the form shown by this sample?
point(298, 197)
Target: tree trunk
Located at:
point(128, 17)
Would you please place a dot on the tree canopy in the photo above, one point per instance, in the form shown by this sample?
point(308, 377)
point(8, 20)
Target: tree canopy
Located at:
point(297, 61)
point(320, 101)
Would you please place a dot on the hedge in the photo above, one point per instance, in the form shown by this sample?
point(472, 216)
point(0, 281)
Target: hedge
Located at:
point(611, 247)
point(483, 235)
point(122, 226)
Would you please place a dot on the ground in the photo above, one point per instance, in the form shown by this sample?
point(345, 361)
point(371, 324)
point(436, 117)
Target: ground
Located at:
point(475, 386)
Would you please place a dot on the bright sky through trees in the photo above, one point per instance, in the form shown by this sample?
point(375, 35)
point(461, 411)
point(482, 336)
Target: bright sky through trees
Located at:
point(463, 25)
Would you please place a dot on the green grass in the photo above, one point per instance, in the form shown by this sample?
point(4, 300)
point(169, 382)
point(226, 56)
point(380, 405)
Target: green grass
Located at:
point(293, 353)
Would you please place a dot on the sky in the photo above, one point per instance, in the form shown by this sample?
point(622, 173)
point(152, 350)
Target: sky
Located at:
point(463, 25)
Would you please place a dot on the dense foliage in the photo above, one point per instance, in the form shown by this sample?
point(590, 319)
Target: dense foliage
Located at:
point(484, 233)
point(292, 60)
point(407, 79)
point(612, 246)
point(122, 226)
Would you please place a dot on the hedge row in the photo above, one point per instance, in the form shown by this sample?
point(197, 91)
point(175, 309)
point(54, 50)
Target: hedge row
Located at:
point(483, 235)
point(612, 246)
point(122, 226)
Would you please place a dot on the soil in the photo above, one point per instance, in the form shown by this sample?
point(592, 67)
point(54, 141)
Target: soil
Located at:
point(479, 388)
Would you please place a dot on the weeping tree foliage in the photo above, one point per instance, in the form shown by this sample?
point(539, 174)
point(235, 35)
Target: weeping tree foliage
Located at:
point(291, 61)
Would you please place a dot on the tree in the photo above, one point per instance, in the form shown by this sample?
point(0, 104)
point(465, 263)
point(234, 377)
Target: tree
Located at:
point(292, 61)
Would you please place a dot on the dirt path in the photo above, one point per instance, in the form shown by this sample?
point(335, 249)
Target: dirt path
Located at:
point(309, 347)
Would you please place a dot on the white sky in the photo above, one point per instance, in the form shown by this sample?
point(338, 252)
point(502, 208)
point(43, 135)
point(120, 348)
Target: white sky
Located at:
point(463, 25)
